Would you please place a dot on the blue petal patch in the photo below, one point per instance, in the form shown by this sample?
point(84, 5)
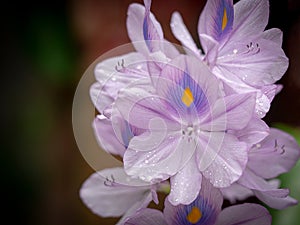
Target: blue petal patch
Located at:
point(204, 213)
point(224, 18)
point(187, 96)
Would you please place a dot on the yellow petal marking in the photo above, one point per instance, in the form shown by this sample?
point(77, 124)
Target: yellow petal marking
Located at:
point(194, 216)
point(224, 20)
point(187, 97)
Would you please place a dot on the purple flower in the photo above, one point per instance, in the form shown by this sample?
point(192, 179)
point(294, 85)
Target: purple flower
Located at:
point(205, 210)
point(237, 48)
point(189, 128)
point(275, 155)
point(112, 193)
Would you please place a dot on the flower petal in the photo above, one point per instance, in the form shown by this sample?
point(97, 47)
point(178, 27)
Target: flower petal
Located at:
point(138, 99)
point(280, 148)
point(182, 34)
point(276, 203)
point(246, 214)
point(186, 184)
point(164, 161)
point(250, 18)
point(142, 26)
point(204, 210)
point(229, 164)
point(106, 136)
point(254, 132)
point(147, 217)
point(225, 114)
point(255, 61)
point(113, 74)
point(274, 35)
point(109, 192)
point(216, 19)
point(236, 192)
point(192, 95)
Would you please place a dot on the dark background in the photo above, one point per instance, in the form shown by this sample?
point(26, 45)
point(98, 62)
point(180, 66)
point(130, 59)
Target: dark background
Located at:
point(46, 47)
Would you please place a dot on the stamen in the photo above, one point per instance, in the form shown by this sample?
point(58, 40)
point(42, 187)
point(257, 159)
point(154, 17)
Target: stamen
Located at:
point(109, 182)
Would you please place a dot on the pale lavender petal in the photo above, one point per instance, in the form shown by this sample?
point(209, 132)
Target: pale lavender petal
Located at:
point(186, 184)
point(280, 148)
point(210, 47)
point(255, 61)
point(137, 99)
point(252, 181)
point(133, 209)
point(106, 136)
point(274, 35)
point(225, 114)
point(250, 18)
point(236, 192)
point(276, 203)
point(229, 163)
point(254, 132)
point(138, 23)
point(216, 19)
point(109, 192)
point(147, 217)
point(181, 76)
point(113, 74)
point(244, 214)
point(182, 34)
point(100, 98)
point(164, 161)
point(204, 210)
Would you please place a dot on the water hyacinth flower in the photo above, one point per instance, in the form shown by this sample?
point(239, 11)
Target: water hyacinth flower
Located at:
point(112, 193)
point(205, 210)
point(193, 138)
point(282, 152)
point(237, 48)
point(192, 121)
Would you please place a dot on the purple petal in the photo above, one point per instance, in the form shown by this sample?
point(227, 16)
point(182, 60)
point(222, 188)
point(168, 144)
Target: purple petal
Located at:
point(186, 184)
point(113, 74)
point(246, 214)
point(280, 148)
point(164, 161)
point(109, 193)
point(276, 203)
point(229, 164)
point(141, 26)
point(226, 113)
point(186, 91)
point(137, 99)
point(250, 180)
point(107, 138)
point(216, 19)
point(250, 18)
point(255, 61)
point(147, 217)
point(274, 35)
point(182, 34)
point(236, 192)
point(204, 210)
point(254, 132)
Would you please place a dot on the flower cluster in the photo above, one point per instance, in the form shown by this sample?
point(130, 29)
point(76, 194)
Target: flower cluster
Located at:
point(190, 123)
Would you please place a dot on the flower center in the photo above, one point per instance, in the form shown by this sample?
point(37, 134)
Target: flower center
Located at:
point(194, 215)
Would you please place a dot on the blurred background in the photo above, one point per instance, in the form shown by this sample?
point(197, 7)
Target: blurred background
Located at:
point(46, 47)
